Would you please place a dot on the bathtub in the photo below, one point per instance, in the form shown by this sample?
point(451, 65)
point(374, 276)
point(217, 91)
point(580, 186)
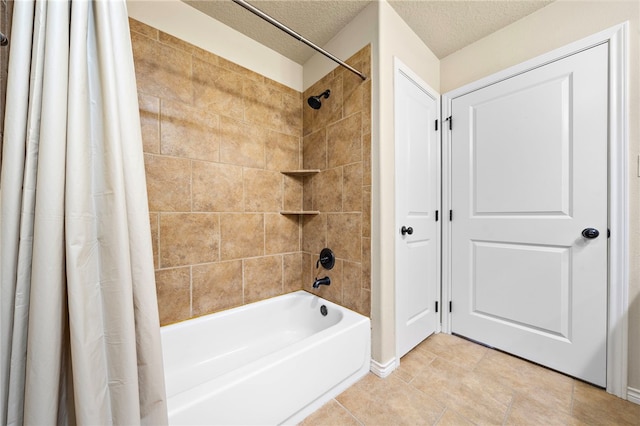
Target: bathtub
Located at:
point(271, 362)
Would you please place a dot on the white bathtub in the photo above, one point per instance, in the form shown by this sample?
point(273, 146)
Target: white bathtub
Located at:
point(270, 362)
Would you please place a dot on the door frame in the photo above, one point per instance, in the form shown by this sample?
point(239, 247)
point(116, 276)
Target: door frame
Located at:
point(618, 275)
point(400, 67)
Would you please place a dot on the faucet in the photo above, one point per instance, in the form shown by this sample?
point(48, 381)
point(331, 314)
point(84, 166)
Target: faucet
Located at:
point(321, 281)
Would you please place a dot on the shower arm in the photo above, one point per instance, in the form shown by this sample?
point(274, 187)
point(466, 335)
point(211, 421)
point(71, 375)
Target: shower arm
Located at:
point(297, 36)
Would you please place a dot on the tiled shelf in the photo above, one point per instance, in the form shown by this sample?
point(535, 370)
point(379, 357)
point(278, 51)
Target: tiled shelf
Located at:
point(300, 172)
point(310, 212)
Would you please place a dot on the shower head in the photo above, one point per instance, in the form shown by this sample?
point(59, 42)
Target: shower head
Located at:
point(315, 102)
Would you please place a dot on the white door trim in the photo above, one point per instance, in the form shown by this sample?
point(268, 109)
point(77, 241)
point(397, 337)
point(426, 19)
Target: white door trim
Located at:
point(400, 67)
point(618, 304)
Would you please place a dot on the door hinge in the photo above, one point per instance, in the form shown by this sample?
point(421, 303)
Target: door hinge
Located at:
point(436, 306)
point(450, 306)
point(450, 120)
point(450, 215)
point(608, 233)
point(436, 215)
point(436, 125)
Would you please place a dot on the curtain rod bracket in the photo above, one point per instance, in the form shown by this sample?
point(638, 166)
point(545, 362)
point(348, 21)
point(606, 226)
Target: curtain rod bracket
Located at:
point(297, 36)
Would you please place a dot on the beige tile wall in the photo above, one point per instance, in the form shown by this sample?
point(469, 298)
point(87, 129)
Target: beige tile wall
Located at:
point(216, 137)
point(337, 140)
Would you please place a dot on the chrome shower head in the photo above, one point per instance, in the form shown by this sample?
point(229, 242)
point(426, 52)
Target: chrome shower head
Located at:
point(315, 102)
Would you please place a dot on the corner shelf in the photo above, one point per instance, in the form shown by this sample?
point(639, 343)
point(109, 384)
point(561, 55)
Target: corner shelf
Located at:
point(300, 173)
point(291, 212)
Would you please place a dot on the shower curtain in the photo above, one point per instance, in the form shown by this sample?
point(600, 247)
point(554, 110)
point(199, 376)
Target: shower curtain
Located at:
point(79, 329)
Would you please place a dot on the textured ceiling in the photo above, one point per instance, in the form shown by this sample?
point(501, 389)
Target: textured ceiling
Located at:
point(445, 26)
point(317, 21)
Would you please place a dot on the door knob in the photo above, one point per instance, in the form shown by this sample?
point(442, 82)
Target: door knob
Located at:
point(590, 233)
point(404, 230)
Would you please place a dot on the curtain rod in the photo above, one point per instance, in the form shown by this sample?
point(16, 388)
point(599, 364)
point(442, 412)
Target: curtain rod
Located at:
point(295, 35)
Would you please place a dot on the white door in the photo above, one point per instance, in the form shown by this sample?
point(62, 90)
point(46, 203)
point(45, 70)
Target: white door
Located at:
point(529, 174)
point(417, 197)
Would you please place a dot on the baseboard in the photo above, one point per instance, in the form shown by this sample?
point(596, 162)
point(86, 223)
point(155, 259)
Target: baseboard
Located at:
point(383, 370)
point(633, 395)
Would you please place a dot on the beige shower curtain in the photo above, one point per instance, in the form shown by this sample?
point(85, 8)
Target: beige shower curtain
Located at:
point(79, 329)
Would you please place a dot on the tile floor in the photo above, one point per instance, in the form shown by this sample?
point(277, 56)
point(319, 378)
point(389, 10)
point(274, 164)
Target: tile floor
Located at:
point(447, 380)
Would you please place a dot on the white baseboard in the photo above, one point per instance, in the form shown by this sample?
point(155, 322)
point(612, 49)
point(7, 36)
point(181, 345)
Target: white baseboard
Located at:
point(383, 370)
point(633, 395)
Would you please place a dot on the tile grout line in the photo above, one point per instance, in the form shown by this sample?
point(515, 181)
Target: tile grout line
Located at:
point(507, 413)
point(243, 286)
point(573, 396)
point(470, 371)
point(422, 368)
point(441, 415)
point(420, 390)
point(446, 406)
point(348, 411)
point(191, 291)
point(282, 273)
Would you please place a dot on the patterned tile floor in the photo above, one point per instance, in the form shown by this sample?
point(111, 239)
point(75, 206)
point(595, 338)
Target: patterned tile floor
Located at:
point(447, 380)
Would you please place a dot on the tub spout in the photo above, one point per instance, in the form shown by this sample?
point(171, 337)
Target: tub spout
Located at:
point(321, 281)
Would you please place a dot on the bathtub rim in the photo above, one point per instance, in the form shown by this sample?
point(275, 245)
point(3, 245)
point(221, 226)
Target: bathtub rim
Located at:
point(227, 312)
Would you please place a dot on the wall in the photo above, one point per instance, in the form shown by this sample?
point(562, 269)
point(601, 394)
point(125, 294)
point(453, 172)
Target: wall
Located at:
point(380, 26)
point(216, 136)
point(337, 141)
point(551, 27)
point(186, 23)
point(396, 40)
point(361, 31)
point(389, 36)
